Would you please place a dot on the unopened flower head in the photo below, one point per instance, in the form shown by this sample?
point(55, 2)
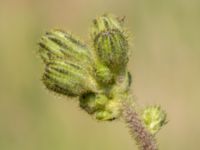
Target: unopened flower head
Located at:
point(110, 42)
point(97, 75)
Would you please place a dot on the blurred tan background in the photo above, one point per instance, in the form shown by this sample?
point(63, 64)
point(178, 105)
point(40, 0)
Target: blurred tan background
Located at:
point(165, 64)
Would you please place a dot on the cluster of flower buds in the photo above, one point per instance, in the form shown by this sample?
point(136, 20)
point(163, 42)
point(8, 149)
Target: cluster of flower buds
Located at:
point(68, 64)
point(96, 74)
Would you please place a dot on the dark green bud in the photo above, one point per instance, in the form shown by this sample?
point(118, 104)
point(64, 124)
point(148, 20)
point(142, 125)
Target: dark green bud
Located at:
point(68, 78)
point(110, 43)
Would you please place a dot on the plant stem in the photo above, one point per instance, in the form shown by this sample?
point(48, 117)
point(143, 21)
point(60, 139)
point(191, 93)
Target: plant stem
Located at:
point(144, 139)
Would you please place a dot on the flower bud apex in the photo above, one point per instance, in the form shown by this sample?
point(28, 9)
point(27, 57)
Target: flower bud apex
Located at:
point(105, 22)
point(68, 78)
point(154, 118)
point(60, 44)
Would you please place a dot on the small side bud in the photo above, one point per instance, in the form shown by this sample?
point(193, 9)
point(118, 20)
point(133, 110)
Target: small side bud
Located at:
point(92, 102)
point(100, 106)
point(103, 73)
point(114, 109)
point(68, 78)
point(154, 118)
point(110, 42)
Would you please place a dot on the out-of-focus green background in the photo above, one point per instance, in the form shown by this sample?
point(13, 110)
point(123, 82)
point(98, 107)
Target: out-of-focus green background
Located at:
point(165, 64)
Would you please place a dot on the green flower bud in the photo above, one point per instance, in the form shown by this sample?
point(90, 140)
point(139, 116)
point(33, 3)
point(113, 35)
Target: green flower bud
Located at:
point(113, 108)
point(68, 78)
point(103, 73)
point(60, 44)
point(100, 106)
point(154, 118)
point(92, 102)
point(110, 43)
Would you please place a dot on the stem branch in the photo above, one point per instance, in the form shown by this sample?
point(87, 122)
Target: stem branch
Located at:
point(144, 139)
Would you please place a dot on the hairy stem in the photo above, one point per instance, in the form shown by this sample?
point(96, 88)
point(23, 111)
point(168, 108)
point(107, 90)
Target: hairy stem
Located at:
point(143, 138)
